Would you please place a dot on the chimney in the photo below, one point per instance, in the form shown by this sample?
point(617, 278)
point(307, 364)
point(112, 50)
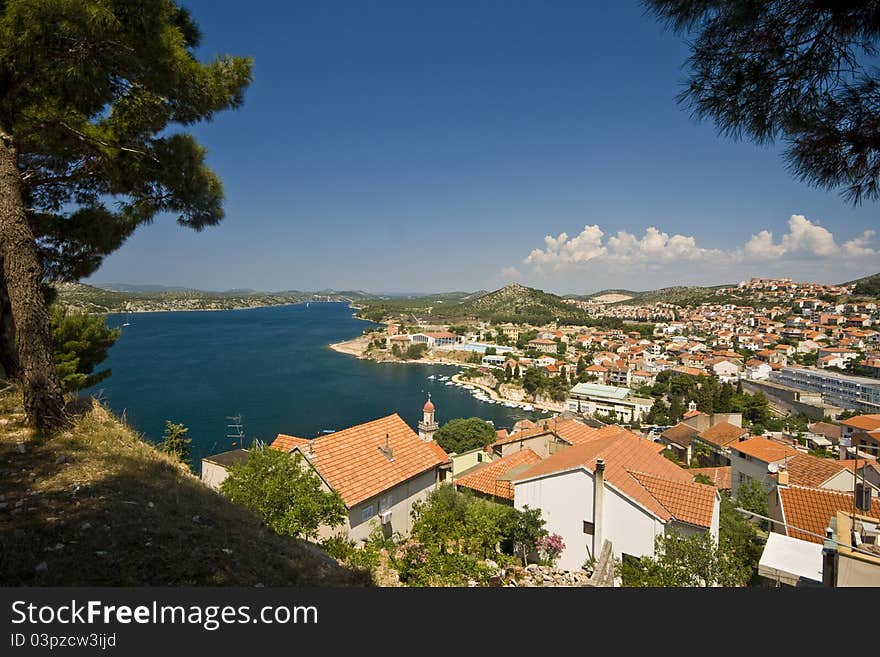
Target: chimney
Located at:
point(863, 498)
point(598, 504)
point(782, 476)
point(386, 450)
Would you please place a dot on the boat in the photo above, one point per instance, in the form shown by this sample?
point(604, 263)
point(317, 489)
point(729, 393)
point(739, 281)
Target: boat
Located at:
point(449, 383)
point(328, 430)
point(432, 377)
point(528, 408)
point(126, 324)
point(510, 404)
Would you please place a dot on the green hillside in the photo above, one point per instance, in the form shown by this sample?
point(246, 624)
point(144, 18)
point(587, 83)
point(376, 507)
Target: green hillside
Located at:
point(867, 286)
point(95, 505)
point(517, 303)
point(99, 300)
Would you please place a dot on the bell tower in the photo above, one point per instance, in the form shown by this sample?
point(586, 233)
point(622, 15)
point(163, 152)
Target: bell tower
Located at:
point(428, 426)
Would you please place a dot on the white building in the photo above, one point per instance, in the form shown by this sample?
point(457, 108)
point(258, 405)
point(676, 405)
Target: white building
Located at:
point(617, 488)
point(590, 398)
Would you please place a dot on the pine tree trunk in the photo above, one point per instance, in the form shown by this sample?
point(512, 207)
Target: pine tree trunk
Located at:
point(8, 357)
point(43, 401)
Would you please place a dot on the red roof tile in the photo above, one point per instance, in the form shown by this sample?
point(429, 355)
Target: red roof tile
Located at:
point(352, 463)
point(723, 434)
point(720, 476)
point(485, 478)
point(686, 501)
point(623, 453)
point(811, 509)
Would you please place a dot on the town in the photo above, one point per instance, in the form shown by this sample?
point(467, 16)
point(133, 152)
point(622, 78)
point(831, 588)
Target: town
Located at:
point(767, 413)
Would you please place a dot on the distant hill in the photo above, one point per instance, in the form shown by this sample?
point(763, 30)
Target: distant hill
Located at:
point(518, 303)
point(868, 286)
point(125, 287)
point(93, 299)
point(681, 295)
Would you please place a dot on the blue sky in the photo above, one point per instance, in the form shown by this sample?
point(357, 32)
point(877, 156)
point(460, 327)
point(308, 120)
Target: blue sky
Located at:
point(415, 146)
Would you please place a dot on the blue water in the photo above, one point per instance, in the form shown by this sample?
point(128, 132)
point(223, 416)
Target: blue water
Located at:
point(274, 368)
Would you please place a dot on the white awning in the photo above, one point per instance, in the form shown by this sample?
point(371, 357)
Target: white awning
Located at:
point(791, 561)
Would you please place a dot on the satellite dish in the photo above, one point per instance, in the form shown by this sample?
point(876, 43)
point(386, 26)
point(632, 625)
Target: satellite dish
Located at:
point(773, 468)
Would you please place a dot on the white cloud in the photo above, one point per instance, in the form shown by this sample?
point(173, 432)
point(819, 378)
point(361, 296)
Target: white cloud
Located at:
point(510, 274)
point(590, 250)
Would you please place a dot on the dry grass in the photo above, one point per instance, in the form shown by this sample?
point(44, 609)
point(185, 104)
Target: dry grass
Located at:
point(96, 505)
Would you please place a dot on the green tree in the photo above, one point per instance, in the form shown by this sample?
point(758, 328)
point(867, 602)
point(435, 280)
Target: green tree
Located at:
point(533, 381)
point(415, 351)
point(80, 343)
point(525, 528)
point(463, 434)
point(694, 560)
point(491, 351)
point(176, 441)
point(90, 94)
point(284, 492)
point(803, 72)
point(752, 496)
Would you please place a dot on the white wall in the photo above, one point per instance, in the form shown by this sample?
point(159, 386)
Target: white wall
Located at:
point(566, 500)
point(754, 469)
point(213, 474)
point(403, 496)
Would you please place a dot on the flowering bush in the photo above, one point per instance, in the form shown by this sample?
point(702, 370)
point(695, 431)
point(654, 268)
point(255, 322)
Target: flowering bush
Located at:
point(549, 547)
point(411, 560)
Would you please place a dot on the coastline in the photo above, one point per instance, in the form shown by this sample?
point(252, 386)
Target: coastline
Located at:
point(141, 311)
point(493, 394)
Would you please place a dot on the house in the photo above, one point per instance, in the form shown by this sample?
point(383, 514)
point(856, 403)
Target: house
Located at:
point(616, 488)
point(543, 345)
point(717, 439)
point(379, 468)
point(539, 439)
point(435, 339)
point(216, 467)
point(757, 370)
point(726, 369)
point(804, 512)
point(590, 398)
point(492, 479)
point(862, 433)
point(679, 440)
point(757, 459)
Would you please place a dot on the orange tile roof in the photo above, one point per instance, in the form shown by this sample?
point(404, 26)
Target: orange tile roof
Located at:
point(524, 434)
point(575, 433)
point(764, 449)
point(686, 501)
point(720, 476)
point(723, 434)
point(624, 453)
point(681, 434)
point(485, 478)
point(351, 461)
point(285, 443)
point(811, 509)
point(864, 422)
point(807, 470)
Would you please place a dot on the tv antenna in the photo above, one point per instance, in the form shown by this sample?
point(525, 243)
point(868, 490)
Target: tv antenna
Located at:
point(236, 430)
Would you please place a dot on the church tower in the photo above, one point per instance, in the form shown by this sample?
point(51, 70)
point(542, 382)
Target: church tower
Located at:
point(428, 426)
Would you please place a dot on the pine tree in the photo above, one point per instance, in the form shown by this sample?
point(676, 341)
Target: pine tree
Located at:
point(90, 94)
point(176, 442)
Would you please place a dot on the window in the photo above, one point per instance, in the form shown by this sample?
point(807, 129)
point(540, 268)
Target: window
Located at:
point(385, 503)
point(367, 513)
point(479, 458)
